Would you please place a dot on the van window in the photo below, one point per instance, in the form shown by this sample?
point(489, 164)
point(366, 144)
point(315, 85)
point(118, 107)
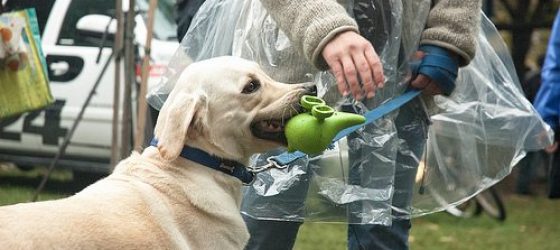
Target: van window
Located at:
point(69, 35)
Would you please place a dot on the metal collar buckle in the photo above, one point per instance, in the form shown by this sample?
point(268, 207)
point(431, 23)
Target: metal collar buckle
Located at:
point(227, 167)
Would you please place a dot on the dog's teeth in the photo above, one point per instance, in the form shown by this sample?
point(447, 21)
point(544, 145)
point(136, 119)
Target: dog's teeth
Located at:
point(272, 125)
point(275, 124)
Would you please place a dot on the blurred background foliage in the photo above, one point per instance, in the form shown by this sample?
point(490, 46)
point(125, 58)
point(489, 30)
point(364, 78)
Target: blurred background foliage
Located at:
point(525, 26)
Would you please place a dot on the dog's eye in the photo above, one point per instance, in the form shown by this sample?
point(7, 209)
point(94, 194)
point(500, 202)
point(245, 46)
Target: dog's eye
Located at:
point(251, 87)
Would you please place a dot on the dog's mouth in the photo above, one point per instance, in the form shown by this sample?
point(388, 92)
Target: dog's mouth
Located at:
point(271, 130)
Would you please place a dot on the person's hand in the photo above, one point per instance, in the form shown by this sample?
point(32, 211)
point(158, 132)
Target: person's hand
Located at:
point(350, 56)
point(423, 82)
point(552, 148)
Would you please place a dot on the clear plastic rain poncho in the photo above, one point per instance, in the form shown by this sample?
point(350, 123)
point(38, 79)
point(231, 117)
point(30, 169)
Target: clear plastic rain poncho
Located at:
point(474, 137)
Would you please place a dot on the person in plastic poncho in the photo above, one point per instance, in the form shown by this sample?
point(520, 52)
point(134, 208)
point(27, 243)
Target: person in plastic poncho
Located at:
point(330, 39)
point(547, 102)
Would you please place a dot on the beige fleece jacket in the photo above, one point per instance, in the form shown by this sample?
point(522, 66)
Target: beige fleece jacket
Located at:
point(311, 24)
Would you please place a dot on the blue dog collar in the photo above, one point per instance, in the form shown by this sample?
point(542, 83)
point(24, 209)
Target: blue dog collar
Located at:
point(228, 167)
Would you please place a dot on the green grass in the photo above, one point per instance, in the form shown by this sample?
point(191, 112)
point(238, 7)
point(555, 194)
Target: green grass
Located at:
point(19, 186)
point(532, 223)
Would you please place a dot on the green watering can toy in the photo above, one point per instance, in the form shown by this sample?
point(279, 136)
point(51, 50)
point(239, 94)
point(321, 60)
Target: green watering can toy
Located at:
point(313, 131)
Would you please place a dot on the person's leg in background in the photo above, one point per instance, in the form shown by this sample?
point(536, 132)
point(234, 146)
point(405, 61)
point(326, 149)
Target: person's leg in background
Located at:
point(275, 235)
point(526, 173)
point(412, 128)
point(282, 203)
point(152, 115)
point(554, 174)
point(271, 235)
point(184, 13)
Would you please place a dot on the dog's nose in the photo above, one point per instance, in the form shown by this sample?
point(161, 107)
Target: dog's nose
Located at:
point(311, 89)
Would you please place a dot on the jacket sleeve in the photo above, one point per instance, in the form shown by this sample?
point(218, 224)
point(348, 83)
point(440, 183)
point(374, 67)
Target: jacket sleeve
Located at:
point(547, 102)
point(310, 24)
point(453, 25)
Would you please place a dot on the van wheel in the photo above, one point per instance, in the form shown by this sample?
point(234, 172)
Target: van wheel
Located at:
point(83, 179)
point(25, 167)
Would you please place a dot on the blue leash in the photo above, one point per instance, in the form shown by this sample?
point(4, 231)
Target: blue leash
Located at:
point(372, 115)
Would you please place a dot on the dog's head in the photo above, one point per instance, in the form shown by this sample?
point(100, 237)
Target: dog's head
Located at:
point(229, 107)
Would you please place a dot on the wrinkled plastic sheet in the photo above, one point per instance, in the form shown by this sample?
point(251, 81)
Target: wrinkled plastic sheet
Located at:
point(475, 137)
point(482, 130)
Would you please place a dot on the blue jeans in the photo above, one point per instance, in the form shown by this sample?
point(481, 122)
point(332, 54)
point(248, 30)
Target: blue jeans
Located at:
point(281, 235)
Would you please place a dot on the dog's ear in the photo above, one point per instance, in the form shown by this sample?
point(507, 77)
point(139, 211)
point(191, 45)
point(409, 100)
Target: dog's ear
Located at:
point(174, 120)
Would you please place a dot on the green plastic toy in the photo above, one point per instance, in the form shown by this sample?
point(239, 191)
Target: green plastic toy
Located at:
point(313, 131)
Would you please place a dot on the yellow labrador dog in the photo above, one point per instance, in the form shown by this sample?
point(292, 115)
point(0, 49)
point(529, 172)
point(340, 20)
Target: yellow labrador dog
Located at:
point(222, 111)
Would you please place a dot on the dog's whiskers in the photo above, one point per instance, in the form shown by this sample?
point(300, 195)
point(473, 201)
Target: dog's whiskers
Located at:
point(294, 108)
point(270, 117)
point(283, 114)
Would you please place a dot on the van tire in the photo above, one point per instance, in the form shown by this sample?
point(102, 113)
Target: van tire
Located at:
point(84, 179)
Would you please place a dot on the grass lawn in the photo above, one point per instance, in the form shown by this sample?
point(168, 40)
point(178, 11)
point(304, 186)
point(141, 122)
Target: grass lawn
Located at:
point(19, 186)
point(532, 223)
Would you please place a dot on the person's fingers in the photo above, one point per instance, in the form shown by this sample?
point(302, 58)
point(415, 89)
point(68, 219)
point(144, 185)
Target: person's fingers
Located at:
point(552, 148)
point(351, 77)
point(365, 73)
point(432, 89)
point(376, 66)
point(420, 82)
point(337, 71)
point(419, 55)
point(352, 58)
point(427, 85)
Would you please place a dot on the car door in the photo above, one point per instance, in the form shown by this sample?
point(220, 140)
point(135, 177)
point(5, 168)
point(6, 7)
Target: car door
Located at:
point(73, 65)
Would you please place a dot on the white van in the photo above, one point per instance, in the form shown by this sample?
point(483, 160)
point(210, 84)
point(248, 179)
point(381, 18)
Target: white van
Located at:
point(34, 138)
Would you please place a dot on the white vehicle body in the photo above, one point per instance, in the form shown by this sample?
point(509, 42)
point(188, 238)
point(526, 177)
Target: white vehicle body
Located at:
point(35, 137)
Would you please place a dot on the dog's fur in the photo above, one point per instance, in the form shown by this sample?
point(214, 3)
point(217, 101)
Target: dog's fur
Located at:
point(158, 200)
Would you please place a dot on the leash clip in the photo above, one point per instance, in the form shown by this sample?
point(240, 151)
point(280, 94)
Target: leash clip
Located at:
point(271, 164)
point(253, 178)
